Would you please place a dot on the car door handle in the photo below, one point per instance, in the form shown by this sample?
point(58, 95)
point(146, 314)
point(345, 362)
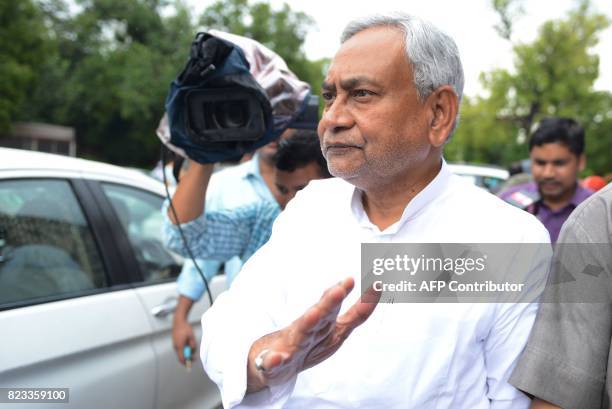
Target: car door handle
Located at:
point(165, 309)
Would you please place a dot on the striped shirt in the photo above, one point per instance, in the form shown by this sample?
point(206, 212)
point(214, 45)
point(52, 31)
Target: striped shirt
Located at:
point(222, 234)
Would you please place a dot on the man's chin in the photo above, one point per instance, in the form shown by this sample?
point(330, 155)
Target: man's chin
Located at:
point(552, 195)
point(343, 172)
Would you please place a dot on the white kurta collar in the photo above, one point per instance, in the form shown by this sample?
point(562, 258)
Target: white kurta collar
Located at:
point(434, 189)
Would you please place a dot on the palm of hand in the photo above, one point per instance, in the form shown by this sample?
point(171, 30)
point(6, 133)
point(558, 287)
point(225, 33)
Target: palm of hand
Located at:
point(310, 339)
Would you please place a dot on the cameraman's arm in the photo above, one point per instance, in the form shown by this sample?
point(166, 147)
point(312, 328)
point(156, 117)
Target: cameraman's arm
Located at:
point(188, 200)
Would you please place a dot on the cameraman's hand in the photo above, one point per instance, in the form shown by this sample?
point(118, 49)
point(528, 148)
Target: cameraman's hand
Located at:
point(182, 332)
point(309, 340)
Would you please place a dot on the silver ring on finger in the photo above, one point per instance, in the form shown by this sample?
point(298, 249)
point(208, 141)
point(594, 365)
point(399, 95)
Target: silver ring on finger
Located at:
point(259, 360)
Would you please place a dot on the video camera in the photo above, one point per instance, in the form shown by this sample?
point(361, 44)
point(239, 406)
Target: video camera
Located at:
point(233, 96)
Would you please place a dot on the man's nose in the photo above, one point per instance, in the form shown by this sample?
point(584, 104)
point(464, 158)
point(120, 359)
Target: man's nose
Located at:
point(549, 170)
point(337, 116)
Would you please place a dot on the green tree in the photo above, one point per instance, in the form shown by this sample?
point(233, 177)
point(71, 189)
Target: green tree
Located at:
point(21, 47)
point(283, 31)
point(109, 63)
point(553, 75)
point(108, 74)
point(508, 11)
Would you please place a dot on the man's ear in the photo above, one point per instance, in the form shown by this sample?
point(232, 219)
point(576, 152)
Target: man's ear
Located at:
point(581, 162)
point(444, 104)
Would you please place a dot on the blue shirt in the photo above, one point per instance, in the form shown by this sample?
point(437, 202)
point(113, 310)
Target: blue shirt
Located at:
point(223, 234)
point(228, 189)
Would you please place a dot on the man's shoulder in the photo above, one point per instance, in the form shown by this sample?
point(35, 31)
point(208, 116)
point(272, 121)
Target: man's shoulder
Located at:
point(323, 197)
point(233, 171)
point(478, 198)
point(594, 213)
point(228, 179)
point(337, 185)
point(596, 201)
point(327, 192)
point(491, 216)
point(265, 209)
point(230, 187)
point(582, 194)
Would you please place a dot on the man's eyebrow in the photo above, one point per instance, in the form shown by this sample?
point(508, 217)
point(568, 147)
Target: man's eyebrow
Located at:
point(558, 160)
point(326, 86)
point(350, 83)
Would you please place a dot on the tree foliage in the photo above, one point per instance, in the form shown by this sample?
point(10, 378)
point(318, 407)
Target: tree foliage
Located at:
point(283, 31)
point(21, 48)
point(104, 66)
point(508, 11)
point(107, 74)
point(553, 75)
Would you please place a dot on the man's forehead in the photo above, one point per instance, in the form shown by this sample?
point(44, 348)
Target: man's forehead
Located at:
point(368, 55)
point(551, 150)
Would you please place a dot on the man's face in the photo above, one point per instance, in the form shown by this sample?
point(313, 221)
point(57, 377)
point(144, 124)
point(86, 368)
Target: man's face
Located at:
point(555, 169)
point(373, 127)
point(289, 183)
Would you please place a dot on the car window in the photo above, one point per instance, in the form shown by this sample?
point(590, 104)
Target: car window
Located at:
point(46, 246)
point(141, 219)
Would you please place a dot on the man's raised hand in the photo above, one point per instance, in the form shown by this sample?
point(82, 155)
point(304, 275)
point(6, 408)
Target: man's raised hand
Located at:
point(315, 336)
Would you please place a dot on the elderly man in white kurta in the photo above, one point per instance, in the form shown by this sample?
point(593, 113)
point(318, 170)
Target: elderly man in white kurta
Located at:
point(292, 332)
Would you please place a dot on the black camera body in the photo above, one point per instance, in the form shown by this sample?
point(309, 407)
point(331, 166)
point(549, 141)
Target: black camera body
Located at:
point(217, 109)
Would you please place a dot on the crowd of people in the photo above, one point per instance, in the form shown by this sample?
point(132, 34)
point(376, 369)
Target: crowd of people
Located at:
point(297, 329)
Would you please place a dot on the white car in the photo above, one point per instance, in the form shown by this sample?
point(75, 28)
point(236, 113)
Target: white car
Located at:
point(485, 176)
point(87, 290)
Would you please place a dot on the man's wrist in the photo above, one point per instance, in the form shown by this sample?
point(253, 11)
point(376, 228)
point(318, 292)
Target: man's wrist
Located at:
point(180, 318)
point(183, 307)
point(200, 167)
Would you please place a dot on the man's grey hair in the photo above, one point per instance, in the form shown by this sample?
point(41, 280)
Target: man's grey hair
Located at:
point(433, 55)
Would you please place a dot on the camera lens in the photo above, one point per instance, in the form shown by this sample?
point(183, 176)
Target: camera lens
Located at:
point(231, 114)
point(224, 115)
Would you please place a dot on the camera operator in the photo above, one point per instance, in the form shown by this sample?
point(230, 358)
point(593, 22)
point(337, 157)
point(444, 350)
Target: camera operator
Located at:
point(232, 187)
point(221, 234)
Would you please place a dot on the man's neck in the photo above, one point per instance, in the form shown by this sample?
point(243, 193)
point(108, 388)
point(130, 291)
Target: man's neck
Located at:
point(385, 204)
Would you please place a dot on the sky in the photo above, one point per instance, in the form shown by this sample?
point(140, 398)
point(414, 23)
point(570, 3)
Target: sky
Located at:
point(469, 22)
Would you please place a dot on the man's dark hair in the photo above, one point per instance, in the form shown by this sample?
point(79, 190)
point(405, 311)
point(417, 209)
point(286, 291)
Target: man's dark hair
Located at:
point(299, 150)
point(559, 130)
